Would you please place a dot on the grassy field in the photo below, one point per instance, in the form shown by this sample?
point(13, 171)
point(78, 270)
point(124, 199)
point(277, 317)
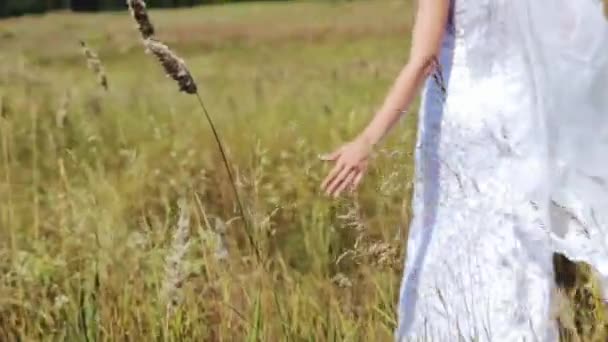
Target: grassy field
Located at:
point(91, 245)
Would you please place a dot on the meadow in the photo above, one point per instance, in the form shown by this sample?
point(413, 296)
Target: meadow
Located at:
point(117, 219)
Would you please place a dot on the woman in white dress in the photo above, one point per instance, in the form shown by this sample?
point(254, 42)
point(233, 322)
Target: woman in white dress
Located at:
point(510, 163)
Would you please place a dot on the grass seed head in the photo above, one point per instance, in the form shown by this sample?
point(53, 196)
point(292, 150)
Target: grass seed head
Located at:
point(95, 64)
point(173, 65)
point(61, 116)
point(139, 13)
point(174, 276)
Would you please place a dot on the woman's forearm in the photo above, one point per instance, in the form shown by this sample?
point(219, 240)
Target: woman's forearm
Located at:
point(400, 97)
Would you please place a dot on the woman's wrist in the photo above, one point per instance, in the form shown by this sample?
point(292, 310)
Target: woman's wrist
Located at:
point(368, 139)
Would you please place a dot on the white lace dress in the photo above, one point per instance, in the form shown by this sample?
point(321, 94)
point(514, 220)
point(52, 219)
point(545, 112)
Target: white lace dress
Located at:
point(495, 194)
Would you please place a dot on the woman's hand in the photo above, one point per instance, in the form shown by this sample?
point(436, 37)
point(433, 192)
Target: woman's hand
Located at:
point(351, 161)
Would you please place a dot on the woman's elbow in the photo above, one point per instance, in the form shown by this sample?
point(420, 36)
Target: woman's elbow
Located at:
point(423, 65)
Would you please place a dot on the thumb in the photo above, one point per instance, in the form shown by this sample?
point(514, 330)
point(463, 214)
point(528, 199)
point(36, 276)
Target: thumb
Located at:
point(331, 156)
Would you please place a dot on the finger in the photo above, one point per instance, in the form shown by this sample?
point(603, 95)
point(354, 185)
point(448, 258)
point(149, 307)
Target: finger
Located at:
point(338, 180)
point(332, 174)
point(346, 183)
point(331, 156)
point(329, 188)
point(357, 181)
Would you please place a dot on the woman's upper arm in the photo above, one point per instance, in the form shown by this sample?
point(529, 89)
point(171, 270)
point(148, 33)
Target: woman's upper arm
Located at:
point(429, 27)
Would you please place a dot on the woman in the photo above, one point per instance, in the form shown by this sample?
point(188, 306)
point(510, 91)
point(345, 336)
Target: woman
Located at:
point(512, 132)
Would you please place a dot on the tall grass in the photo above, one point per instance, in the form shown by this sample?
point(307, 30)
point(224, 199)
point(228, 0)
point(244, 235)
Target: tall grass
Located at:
point(176, 68)
point(89, 207)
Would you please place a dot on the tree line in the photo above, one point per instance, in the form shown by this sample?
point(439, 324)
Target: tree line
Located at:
point(20, 7)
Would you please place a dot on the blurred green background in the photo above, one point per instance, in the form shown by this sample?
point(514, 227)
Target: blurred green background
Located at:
point(20, 7)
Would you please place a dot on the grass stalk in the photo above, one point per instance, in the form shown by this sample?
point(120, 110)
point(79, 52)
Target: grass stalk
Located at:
point(248, 228)
point(6, 134)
